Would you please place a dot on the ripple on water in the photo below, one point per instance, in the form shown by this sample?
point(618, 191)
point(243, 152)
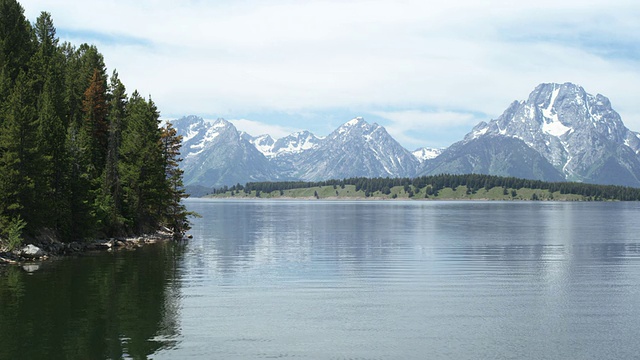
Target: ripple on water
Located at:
point(410, 280)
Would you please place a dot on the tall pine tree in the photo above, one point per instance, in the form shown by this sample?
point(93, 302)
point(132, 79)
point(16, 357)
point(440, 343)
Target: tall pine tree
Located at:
point(18, 156)
point(141, 168)
point(111, 184)
point(16, 45)
point(175, 216)
point(95, 127)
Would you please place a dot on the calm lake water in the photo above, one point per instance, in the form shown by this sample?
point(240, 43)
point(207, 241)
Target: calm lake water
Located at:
point(346, 280)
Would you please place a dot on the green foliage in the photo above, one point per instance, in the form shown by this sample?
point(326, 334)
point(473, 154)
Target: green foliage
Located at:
point(175, 216)
point(16, 43)
point(77, 155)
point(14, 233)
point(18, 153)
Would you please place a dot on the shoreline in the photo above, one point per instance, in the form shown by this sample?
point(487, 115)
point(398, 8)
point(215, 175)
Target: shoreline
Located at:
point(372, 198)
point(37, 251)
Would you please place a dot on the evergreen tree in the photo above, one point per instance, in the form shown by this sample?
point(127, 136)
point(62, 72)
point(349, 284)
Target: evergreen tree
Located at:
point(53, 183)
point(16, 45)
point(111, 194)
point(80, 196)
point(95, 129)
point(45, 62)
point(142, 167)
point(175, 216)
point(77, 157)
point(18, 156)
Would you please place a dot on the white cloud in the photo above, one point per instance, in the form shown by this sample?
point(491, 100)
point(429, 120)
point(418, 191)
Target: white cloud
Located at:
point(420, 120)
point(367, 55)
point(414, 127)
point(256, 128)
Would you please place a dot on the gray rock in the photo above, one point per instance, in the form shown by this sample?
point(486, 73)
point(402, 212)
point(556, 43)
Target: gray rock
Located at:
point(32, 252)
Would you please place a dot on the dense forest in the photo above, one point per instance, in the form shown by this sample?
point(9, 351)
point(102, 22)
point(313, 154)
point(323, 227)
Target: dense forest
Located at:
point(79, 158)
point(429, 186)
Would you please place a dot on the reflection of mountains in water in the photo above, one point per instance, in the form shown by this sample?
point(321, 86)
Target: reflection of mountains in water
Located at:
point(249, 236)
point(245, 235)
point(93, 307)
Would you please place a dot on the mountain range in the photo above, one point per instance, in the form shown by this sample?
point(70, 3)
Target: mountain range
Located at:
point(560, 133)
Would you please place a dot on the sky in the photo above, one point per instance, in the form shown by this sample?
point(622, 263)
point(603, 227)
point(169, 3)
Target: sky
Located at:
point(426, 71)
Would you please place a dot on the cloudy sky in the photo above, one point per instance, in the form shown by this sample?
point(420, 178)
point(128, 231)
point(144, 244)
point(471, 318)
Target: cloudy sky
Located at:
point(427, 71)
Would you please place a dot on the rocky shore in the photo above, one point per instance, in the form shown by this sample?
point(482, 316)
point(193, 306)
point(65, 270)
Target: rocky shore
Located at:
point(44, 249)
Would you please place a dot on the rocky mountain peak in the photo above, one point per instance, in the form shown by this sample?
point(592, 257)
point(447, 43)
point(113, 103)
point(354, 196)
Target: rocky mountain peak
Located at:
point(560, 132)
point(357, 129)
point(355, 122)
point(222, 123)
point(569, 127)
point(189, 126)
point(187, 121)
point(295, 143)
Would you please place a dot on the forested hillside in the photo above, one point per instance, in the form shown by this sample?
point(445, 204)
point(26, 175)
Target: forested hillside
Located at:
point(79, 157)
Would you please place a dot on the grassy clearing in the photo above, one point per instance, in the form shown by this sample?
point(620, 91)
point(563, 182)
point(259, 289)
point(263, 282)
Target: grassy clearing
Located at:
point(398, 192)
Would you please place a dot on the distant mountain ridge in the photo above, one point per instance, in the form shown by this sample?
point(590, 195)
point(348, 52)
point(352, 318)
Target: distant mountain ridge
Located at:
point(559, 133)
point(215, 154)
point(579, 134)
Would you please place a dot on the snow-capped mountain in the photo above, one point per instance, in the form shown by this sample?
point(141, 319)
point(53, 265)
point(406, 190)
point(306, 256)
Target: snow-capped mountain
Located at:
point(263, 143)
point(215, 154)
point(425, 153)
point(559, 133)
point(288, 145)
point(355, 149)
point(579, 134)
point(295, 143)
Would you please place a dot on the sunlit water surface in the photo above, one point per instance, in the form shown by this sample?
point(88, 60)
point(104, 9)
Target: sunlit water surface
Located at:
point(348, 280)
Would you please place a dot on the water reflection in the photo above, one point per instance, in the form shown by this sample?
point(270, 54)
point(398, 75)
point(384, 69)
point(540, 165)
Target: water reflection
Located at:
point(317, 279)
point(457, 280)
point(123, 305)
point(243, 235)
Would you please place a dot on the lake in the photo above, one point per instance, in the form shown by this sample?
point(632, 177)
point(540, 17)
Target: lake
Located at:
point(346, 280)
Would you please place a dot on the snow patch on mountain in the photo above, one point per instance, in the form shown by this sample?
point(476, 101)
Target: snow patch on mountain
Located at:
point(264, 144)
point(555, 127)
point(552, 125)
point(192, 132)
point(423, 154)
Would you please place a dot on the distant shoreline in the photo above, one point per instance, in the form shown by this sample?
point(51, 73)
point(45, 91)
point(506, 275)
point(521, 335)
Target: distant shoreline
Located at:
point(338, 199)
point(459, 193)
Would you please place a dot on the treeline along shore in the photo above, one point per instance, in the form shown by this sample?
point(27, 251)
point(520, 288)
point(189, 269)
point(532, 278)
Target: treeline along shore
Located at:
point(438, 187)
point(80, 159)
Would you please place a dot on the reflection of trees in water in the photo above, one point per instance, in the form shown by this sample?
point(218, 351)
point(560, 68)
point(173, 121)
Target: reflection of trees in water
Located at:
point(116, 306)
